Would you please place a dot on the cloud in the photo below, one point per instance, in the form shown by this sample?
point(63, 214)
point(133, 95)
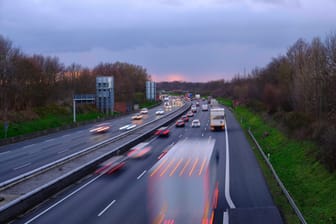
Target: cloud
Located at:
point(195, 39)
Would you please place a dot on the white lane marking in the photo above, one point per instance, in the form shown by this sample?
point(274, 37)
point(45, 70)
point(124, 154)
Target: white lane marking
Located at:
point(209, 139)
point(59, 202)
point(65, 135)
point(19, 167)
point(180, 136)
point(3, 153)
point(202, 134)
point(143, 173)
point(204, 129)
point(107, 207)
point(26, 146)
point(227, 170)
point(49, 140)
point(32, 152)
point(152, 140)
point(226, 217)
point(60, 152)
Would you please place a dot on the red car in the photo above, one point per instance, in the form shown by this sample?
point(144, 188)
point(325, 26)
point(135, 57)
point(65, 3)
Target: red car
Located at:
point(112, 165)
point(139, 151)
point(185, 118)
point(179, 123)
point(163, 132)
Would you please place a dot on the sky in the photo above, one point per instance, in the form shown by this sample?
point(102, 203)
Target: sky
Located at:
point(186, 40)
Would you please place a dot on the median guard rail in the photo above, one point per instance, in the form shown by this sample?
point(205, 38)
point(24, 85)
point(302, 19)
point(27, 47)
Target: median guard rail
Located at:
point(29, 189)
point(282, 186)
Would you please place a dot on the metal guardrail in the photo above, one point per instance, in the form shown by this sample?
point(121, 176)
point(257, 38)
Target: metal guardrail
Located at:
point(44, 168)
point(26, 201)
point(282, 186)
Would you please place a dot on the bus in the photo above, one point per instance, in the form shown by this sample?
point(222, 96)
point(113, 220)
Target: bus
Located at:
point(182, 185)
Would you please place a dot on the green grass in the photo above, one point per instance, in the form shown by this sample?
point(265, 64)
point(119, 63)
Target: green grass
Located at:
point(148, 104)
point(46, 122)
point(225, 102)
point(309, 183)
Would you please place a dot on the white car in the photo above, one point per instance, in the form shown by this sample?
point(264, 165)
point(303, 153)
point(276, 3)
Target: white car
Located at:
point(127, 127)
point(159, 112)
point(137, 117)
point(195, 123)
point(144, 111)
point(100, 128)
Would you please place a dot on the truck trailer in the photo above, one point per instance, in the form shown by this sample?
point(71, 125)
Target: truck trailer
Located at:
point(182, 186)
point(217, 119)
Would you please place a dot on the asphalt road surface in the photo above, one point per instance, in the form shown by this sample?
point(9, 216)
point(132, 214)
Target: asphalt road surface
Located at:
point(122, 197)
point(22, 157)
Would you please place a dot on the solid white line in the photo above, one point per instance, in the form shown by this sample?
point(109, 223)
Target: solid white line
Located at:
point(143, 173)
point(59, 202)
point(227, 170)
point(19, 167)
point(107, 207)
point(65, 135)
point(226, 217)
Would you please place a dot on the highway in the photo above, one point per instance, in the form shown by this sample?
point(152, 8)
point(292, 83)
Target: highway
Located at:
point(122, 197)
point(21, 157)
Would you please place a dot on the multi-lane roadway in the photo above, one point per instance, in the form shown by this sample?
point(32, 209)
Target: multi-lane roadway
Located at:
point(22, 157)
point(122, 197)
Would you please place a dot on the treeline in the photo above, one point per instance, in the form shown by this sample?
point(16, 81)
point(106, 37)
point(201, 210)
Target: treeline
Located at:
point(298, 90)
point(211, 88)
point(28, 82)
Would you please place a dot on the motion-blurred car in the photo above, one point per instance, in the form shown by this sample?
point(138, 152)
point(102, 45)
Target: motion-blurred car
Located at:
point(185, 118)
point(195, 123)
point(144, 111)
point(111, 165)
point(190, 114)
point(179, 123)
point(162, 132)
point(139, 151)
point(137, 117)
point(163, 153)
point(100, 128)
point(159, 112)
point(127, 127)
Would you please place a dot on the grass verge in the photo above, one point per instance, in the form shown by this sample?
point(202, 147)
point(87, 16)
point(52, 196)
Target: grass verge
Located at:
point(46, 122)
point(309, 183)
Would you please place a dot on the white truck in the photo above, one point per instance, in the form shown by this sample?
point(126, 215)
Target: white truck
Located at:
point(205, 107)
point(217, 119)
point(198, 96)
point(182, 185)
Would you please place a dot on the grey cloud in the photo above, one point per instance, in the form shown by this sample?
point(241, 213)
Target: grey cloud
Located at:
point(162, 35)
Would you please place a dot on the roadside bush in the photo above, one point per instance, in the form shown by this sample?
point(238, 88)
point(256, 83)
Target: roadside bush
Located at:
point(296, 120)
point(52, 109)
point(256, 106)
point(328, 149)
